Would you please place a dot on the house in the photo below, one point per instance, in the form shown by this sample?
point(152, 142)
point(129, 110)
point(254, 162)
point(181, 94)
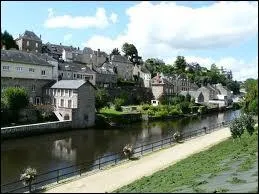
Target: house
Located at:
point(27, 70)
point(196, 95)
point(224, 91)
point(73, 71)
point(74, 100)
point(123, 67)
point(161, 88)
point(141, 72)
point(182, 83)
point(56, 51)
point(29, 42)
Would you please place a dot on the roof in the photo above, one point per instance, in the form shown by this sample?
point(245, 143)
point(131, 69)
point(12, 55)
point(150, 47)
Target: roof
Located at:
point(69, 84)
point(119, 58)
point(144, 69)
point(45, 57)
point(72, 66)
point(194, 94)
point(30, 35)
point(160, 80)
point(54, 48)
point(22, 57)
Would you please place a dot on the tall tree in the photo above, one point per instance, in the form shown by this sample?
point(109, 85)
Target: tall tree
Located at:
point(8, 41)
point(130, 50)
point(180, 64)
point(115, 51)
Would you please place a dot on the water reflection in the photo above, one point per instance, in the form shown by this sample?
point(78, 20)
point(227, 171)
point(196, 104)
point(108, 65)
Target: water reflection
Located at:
point(52, 151)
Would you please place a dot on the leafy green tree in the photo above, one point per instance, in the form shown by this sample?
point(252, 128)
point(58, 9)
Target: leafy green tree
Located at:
point(118, 102)
point(251, 97)
point(101, 98)
point(188, 97)
point(236, 128)
point(180, 64)
point(115, 51)
point(8, 41)
point(155, 66)
point(129, 50)
point(15, 98)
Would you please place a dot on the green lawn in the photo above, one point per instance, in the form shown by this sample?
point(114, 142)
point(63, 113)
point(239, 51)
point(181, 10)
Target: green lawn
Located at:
point(110, 112)
point(189, 171)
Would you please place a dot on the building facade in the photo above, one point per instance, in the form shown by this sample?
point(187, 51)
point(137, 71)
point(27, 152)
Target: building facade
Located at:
point(74, 100)
point(27, 70)
point(29, 42)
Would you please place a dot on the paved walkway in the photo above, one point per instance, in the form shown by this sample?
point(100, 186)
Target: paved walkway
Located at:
point(118, 176)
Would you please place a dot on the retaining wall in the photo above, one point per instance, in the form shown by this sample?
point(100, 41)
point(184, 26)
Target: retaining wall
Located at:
point(33, 129)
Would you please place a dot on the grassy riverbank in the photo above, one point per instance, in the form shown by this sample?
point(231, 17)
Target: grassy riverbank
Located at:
point(223, 167)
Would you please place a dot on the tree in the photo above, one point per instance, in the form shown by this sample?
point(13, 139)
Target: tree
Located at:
point(118, 102)
point(15, 98)
point(8, 41)
point(180, 64)
point(101, 99)
point(155, 65)
point(129, 51)
point(115, 51)
point(251, 97)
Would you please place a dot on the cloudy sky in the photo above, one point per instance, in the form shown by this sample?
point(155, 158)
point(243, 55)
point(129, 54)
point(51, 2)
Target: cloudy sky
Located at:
point(224, 33)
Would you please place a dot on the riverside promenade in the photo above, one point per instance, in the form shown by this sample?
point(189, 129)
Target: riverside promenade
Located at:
point(111, 179)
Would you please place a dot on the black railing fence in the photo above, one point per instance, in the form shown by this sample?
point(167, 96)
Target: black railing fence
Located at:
point(55, 176)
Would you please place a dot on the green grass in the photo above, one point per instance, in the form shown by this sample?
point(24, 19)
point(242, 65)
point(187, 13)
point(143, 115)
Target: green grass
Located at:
point(186, 171)
point(110, 112)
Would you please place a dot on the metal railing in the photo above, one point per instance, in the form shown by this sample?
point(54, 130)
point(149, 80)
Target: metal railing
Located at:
point(55, 176)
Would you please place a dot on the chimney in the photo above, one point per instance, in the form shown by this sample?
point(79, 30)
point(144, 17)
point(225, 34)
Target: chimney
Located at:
point(40, 36)
point(77, 48)
point(60, 44)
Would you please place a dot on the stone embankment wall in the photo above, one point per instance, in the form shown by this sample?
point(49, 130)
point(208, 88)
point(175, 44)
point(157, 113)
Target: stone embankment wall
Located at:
point(33, 129)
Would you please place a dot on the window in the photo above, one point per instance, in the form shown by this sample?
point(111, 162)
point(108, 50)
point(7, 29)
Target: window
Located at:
point(61, 102)
point(74, 75)
point(37, 46)
point(62, 74)
point(59, 93)
point(43, 72)
point(5, 67)
point(70, 93)
point(31, 69)
point(33, 87)
point(69, 103)
point(19, 68)
point(68, 74)
point(62, 92)
point(36, 50)
point(37, 100)
point(66, 91)
point(78, 75)
point(28, 43)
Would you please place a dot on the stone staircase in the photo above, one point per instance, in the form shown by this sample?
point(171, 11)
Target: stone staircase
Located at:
point(59, 116)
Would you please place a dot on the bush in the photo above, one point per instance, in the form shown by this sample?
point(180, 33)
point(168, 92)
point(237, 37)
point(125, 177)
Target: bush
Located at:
point(101, 98)
point(236, 106)
point(15, 98)
point(118, 102)
point(28, 176)
point(239, 125)
point(145, 107)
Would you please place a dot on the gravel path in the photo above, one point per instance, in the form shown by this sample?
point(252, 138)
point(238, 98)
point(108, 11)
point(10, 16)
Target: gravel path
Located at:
point(123, 174)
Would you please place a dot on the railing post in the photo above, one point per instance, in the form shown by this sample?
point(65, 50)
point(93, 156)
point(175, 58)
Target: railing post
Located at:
point(162, 144)
point(115, 159)
point(152, 147)
point(170, 140)
point(80, 172)
point(57, 176)
point(141, 149)
point(99, 164)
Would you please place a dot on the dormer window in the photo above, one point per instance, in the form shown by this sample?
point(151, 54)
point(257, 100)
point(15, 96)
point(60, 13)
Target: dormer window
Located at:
point(36, 45)
point(28, 43)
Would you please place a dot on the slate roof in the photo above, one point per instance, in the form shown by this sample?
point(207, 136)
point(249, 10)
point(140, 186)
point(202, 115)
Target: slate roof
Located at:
point(194, 94)
point(22, 57)
point(71, 66)
point(119, 58)
point(58, 49)
point(30, 35)
point(71, 84)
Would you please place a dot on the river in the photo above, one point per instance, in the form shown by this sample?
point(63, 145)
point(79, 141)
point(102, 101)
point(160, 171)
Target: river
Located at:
point(51, 151)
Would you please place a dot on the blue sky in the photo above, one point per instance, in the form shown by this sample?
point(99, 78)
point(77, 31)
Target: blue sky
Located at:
point(225, 33)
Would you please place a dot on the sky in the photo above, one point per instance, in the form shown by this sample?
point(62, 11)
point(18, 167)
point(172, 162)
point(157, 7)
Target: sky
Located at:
point(220, 32)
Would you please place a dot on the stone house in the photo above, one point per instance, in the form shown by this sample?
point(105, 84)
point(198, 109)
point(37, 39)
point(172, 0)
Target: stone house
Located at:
point(141, 72)
point(74, 71)
point(74, 100)
point(224, 91)
point(124, 68)
point(27, 70)
point(161, 87)
point(29, 42)
point(180, 82)
point(196, 95)
point(209, 93)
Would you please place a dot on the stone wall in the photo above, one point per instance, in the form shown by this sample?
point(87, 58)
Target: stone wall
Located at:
point(33, 129)
point(133, 93)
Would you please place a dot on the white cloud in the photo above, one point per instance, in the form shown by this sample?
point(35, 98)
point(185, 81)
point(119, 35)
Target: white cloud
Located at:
point(165, 30)
point(114, 18)
point(50, 12)
point(67, 37)
point(99, 20)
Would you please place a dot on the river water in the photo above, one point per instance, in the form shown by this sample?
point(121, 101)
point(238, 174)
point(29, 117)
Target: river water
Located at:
point(51, 151)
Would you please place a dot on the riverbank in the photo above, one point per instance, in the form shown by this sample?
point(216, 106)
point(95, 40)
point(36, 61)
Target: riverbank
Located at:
point(109, 180)
point(229, 166)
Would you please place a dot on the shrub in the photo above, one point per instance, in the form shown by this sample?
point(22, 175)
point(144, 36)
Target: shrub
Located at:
point(101, 98)
point(15, 98)
point(118, 102)
point(145, 107)
point(236, 128)
point(248, 123)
